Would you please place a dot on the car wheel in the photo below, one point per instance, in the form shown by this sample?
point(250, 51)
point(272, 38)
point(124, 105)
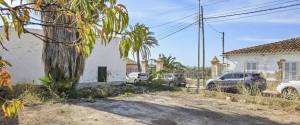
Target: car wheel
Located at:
point(290, 93)
point(211, 87)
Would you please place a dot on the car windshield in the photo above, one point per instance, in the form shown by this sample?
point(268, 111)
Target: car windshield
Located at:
point(256, 75)
point(142, 74)
point(168, 76)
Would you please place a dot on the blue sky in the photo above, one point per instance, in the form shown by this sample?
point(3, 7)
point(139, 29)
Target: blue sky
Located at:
point(239, 33)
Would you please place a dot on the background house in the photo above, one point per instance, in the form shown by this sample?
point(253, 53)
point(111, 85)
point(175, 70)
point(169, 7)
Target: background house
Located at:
point(131, 65)
point(25, 54)
point(278, 61)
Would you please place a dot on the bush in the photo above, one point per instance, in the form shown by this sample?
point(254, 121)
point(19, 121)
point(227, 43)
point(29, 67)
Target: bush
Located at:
point(60, 88)
point(101, 91)
point(160, 85)
point(106, 90)
point(33, 94)
point(251, 90)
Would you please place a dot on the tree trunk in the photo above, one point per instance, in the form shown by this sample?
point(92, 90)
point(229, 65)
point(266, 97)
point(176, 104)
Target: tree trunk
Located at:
point(61, 61)
point(138, 60)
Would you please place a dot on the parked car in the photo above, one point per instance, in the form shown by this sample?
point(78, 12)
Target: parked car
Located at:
point(289, 90)
point(176, 79)
point(231, 81)
point(136, 77)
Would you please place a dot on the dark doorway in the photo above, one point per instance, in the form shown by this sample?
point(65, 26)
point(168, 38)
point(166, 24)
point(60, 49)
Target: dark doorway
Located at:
point(102, 74)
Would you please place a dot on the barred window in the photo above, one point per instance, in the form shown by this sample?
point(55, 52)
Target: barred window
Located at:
point(252, 67)
point(290, 71)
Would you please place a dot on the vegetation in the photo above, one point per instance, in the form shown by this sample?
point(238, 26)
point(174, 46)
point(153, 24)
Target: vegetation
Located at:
point(271, 101)
point(70, 27)
point(171, 65)
point(10, 105)
point(138, 40)
point(191, 72)
point(59, 88)
point(40, 94)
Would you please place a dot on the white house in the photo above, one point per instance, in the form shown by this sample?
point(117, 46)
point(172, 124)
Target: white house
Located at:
point(278, 61)
point(25, 54)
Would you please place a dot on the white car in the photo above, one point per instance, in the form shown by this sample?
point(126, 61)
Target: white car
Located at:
point(136, 77)
point(289, 90)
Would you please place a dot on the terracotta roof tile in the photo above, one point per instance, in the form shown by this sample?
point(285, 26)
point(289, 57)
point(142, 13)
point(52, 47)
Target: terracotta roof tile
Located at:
point(290, 45)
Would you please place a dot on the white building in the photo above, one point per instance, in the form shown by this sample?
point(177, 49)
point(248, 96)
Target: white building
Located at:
point(25, 54)
point(278, 61)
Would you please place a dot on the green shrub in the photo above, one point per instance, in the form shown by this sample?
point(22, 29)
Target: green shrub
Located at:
point(60, 88)
point(32, 94)
point(101, 91)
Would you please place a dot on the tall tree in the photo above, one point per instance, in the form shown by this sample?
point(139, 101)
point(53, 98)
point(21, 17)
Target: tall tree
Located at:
point(70, 27)
point(139, 40)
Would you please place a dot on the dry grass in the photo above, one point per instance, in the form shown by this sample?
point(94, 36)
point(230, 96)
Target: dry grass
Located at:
point(271, 85)
point(272, 102)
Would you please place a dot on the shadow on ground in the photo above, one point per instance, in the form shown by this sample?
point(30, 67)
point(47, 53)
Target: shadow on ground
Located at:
point(157, 114)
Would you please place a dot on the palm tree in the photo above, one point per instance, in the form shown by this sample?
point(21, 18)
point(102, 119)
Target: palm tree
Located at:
point(150, 42)
point(171, 65)
point(65, 62)
point(139, 40)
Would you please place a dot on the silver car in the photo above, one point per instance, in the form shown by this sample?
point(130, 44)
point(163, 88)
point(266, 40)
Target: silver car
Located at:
point(289, 90)
point(136, 77)
point(230, 81)
point(176, 79)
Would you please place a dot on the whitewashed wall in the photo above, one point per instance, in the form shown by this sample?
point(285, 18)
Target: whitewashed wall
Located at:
point(25, 54)
point(106, 56)
point(266, 63)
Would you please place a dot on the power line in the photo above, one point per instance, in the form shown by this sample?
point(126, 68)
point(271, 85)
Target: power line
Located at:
point(191, 7)
point(174, 21)
point(216, 1)
point(252, 15)
point(178, 30)
point(230, 15)
point(171, 29)
point(176, 9)
point(255, 6)
point(185, 17)
point(213, 28)
point(251, 12)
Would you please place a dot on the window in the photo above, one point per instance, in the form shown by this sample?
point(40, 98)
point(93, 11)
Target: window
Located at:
point(227, 76)
point(290, 71)
point(252, 67)
point(238, 76)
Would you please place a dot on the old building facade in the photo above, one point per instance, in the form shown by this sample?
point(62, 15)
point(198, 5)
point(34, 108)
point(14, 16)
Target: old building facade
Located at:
point(278, 61)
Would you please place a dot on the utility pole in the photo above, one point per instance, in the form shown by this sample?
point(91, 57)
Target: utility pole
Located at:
point(199, 41)
point(223, 50)
point(203, 47)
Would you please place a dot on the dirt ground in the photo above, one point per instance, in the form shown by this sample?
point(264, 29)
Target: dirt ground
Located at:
point(165, 108)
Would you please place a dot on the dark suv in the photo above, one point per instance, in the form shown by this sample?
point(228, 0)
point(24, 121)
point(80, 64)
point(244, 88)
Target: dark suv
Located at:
point(230, 81)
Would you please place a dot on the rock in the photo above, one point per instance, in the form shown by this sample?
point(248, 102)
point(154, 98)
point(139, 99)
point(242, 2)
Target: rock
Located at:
point(228, 98)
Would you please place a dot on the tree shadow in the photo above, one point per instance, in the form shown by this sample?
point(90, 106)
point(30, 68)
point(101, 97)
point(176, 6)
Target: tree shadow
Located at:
point(11, 121)
point(158, 114)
